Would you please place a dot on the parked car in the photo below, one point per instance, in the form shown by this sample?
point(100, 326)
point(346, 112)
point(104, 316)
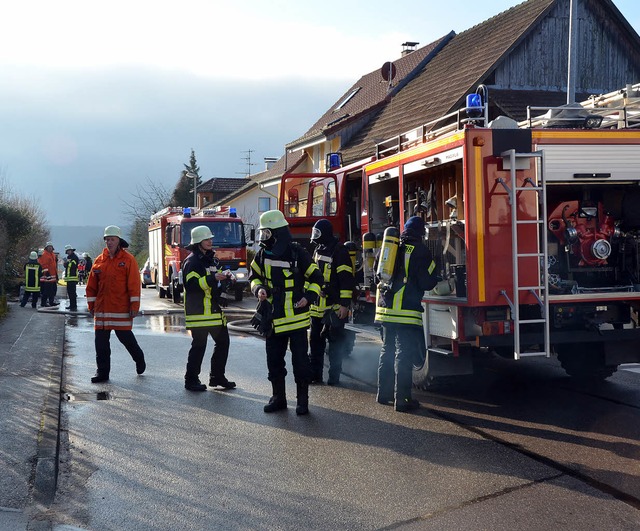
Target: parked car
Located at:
point(145, 274)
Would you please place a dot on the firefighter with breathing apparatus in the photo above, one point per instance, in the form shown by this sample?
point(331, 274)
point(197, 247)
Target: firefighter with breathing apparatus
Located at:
point(331, 312)
point(285, 279)
point(405, 271)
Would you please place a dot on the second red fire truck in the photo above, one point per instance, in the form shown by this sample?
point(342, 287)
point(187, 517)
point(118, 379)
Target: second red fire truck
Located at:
point(170, 232)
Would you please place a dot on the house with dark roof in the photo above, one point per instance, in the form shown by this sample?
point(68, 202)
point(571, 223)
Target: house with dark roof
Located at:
point(213, 190)
point(519, 56)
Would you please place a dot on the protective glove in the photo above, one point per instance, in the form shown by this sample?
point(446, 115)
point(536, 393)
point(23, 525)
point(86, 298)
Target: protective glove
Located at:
point(262, 320)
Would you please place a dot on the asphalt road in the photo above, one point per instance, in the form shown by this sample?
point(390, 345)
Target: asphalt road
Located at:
point(515, 447)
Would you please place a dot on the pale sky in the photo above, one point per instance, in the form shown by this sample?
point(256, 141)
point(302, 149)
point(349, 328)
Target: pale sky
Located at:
point(96, 97)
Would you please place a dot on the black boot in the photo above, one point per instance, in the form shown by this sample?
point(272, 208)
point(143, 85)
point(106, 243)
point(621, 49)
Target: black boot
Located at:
point(279, 399)
point(303, 399)
point(194, 385)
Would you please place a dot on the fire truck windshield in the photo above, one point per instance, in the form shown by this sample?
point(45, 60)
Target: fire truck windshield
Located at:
point(225, 233)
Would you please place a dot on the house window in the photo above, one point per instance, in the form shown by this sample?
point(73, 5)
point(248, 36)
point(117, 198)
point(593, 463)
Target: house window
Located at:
point(264, 204)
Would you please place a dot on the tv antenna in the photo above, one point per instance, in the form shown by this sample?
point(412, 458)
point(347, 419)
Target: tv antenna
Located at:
point(248, 162)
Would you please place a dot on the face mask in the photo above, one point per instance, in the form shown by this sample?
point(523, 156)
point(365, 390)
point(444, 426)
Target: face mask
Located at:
point(264, 235)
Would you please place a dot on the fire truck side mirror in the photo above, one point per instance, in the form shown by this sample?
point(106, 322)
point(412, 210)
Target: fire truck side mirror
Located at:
point(252, 236)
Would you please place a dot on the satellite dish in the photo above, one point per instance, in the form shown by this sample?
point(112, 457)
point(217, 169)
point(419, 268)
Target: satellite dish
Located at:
point(388, 71)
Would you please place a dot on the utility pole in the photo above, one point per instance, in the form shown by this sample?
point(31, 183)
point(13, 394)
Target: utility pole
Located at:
point(247, 158)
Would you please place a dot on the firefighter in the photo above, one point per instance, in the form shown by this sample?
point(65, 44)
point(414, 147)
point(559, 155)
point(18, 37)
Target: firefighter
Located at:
point(113, 297)
point(88, 264)
point(48, 281)
point(71, 276)
point(331, 312)
point(284, 274)
point(32, 274)
point(203, 284)
point(399, 309)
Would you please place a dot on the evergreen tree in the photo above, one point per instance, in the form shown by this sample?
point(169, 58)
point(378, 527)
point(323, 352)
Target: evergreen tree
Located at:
point(183, 192)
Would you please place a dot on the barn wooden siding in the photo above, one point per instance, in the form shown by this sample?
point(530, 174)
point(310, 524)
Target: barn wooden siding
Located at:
point(605, 53)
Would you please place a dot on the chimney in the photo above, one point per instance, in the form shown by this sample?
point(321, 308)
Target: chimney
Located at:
point(269, 162)
point(408, 47)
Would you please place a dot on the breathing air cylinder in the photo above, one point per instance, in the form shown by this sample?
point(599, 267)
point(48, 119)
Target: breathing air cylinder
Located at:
point(352, 248)
point(388, 253)
point(369, 258)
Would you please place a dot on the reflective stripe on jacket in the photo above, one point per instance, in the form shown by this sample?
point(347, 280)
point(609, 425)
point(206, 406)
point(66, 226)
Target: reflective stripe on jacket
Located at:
point(113, 290)
point(336, 268)
point(201, 291)
point(413, 276)
point(287, 279)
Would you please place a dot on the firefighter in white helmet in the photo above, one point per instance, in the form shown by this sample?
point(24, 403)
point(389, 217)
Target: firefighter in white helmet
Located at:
point(284, 276)
point(203, 284)
point(113, 297)
point(71, 262)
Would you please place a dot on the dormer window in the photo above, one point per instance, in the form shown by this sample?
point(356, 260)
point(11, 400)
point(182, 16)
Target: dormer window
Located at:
point(346, 100)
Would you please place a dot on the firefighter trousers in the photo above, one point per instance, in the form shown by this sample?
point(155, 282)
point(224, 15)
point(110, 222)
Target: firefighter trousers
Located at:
point(277, 349)
point(71, 293)
point(318, 336)
point(400, 346)
point(34, 298)
point(103, 349)
point(199, 336)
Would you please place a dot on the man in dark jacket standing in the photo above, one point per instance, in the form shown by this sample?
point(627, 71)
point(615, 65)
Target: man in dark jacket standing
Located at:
point(284, 274)
point(32, 274)
point(203, 315)
point(399, 309)
point(71, 276)
point(331, 312)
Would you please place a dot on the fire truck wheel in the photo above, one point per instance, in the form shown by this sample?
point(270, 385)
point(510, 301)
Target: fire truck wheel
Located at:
point(175, 291)
point(586, 362)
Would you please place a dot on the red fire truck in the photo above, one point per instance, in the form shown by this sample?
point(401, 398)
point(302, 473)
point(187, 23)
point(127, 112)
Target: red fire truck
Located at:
point(170, 232)
point(535, 227)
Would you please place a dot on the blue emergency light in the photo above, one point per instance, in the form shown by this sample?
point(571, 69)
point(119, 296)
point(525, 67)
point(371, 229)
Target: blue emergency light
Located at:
point(186, 212)
point(474, 105)
point(232, 213)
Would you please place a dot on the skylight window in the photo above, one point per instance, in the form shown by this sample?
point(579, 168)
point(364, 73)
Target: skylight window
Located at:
point(346, 100)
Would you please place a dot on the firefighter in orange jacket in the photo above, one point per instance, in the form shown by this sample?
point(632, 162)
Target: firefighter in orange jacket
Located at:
point(50, 276)
point(113, 297)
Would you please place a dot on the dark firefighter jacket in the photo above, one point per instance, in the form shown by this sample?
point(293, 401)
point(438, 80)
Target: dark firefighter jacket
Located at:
point(413, 275)
point(202, 290)
point(335, 265)
point(287, 278)
point(71, 268)
point(32, 274)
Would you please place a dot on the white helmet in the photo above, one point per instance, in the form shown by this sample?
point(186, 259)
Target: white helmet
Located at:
point(49, 244)
point(68, 248)
point(112, 230)
point(33, 255)
point(272, 219)
point(200, 233)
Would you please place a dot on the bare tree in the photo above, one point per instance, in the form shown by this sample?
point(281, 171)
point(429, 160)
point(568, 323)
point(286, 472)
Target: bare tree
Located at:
point(147, 199)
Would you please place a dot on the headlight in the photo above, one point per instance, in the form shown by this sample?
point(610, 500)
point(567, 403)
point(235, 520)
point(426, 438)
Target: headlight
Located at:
point(240, 275)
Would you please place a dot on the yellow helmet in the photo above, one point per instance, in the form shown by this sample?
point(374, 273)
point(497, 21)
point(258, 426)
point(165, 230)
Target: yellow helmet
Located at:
point(112, 230)
point(200, 233)
point(272, 219)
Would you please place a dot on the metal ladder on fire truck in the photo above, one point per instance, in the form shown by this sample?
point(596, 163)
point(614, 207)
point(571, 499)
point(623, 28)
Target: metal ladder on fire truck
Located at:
point(540, 291)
